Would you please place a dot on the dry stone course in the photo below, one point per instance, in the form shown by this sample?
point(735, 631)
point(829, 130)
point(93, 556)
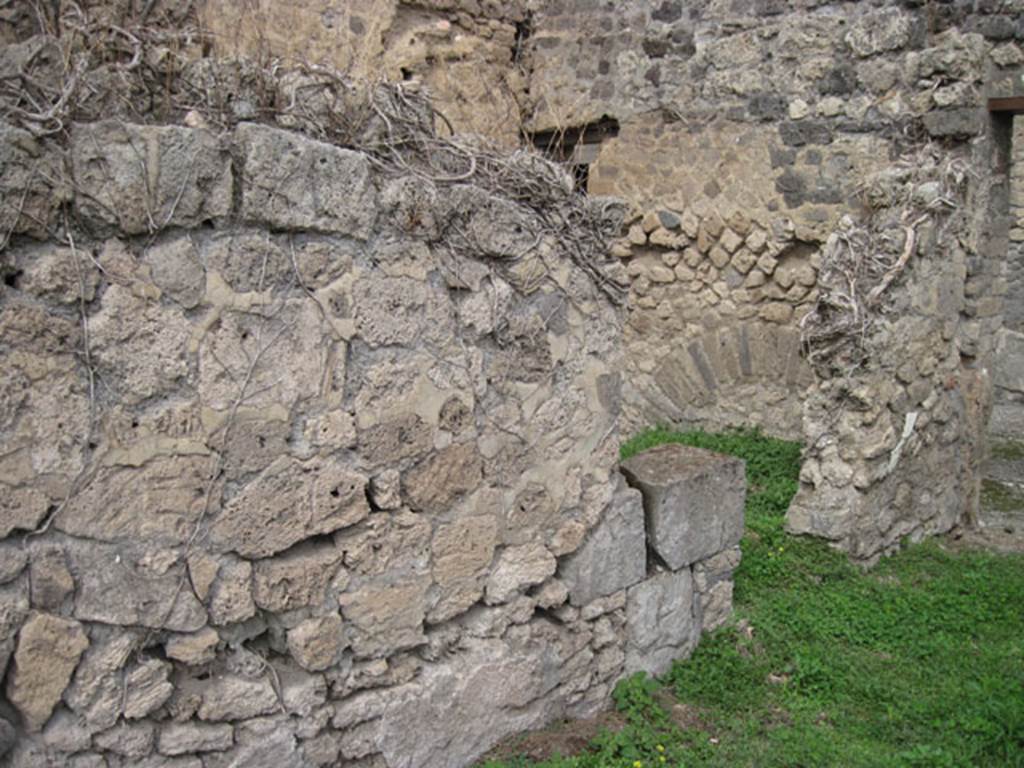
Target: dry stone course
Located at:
point(333, 484)
point(295, 487)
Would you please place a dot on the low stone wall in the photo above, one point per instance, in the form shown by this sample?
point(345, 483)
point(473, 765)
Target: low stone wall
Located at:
point(288, 469)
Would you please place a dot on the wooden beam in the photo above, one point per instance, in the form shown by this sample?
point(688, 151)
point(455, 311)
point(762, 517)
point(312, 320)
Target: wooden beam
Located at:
point(1013, 104)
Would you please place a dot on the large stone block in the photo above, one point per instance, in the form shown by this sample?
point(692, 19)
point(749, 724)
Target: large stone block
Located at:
point(661, 622)
point(290, 501)
point(230, 697)
point(386, 619)
point(156, 502)
point(295, 183)
point(133, 587)
point(614, 555)
point(693, 500)
point(28, 175)
point(300, 578)
point(492, 689)
point(142, 178)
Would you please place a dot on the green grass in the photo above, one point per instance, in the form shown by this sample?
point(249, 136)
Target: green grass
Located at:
point(918, 662)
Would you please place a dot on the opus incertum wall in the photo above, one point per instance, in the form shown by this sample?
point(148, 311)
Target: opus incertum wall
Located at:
point(289, 479)
point(746, 133)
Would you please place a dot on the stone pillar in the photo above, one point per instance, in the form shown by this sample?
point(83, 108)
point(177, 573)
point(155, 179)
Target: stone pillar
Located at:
point(693, 502)
point(1002, 502)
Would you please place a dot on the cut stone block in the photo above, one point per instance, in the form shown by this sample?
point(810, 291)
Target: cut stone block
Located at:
point(142, 178)
point(661, 622)
point(614, 555)
point(297, 183)
point(693, 501)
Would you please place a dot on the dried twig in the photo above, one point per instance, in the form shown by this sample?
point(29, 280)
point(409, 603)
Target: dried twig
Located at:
point(861, 260)
point(395, 125)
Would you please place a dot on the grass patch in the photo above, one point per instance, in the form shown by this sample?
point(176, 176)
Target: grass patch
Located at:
point(919, 662)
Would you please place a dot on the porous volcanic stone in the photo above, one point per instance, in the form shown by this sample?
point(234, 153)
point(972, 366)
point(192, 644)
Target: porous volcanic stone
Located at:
point(48, 651)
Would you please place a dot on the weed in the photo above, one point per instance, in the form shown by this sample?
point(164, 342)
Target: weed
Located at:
point(1007, 450)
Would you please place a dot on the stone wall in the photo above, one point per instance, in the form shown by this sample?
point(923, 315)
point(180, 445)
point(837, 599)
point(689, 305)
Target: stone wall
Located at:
point(1008, 415)
point(302, 449)
point(301, 445)
point(1002, 500)
point(747, 133)
point(465, 51)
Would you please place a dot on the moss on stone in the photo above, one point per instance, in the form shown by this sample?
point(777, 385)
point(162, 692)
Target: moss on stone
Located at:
point(1001, 497)
point(1008, 450)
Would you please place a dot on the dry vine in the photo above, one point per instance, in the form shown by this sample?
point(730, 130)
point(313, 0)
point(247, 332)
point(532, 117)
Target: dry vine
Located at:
point(143, 71)
point(862, 259)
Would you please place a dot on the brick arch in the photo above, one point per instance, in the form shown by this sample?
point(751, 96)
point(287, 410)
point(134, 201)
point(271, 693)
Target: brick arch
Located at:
point(745, 374)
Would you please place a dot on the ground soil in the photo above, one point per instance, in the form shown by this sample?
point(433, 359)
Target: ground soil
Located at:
point(566, 737)
point(1004, 540)
point(570, 737)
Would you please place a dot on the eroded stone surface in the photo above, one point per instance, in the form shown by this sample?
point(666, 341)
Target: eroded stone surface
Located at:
point(297, 183)
point(141, 179)
point(159, 502)
point(386, 618)
point(316, 643)
point(146, 687)
point(188, 738)
point(298, 578)
point(230, 697)
point(131, 587)
point(289, 502)
point(518, 568)
point(661, 621)
point(48, 651)
point(193, 649)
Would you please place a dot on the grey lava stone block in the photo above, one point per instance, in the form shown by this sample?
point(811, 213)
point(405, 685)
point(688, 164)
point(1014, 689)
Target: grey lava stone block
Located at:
point(614, 556)
point(693, 501)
